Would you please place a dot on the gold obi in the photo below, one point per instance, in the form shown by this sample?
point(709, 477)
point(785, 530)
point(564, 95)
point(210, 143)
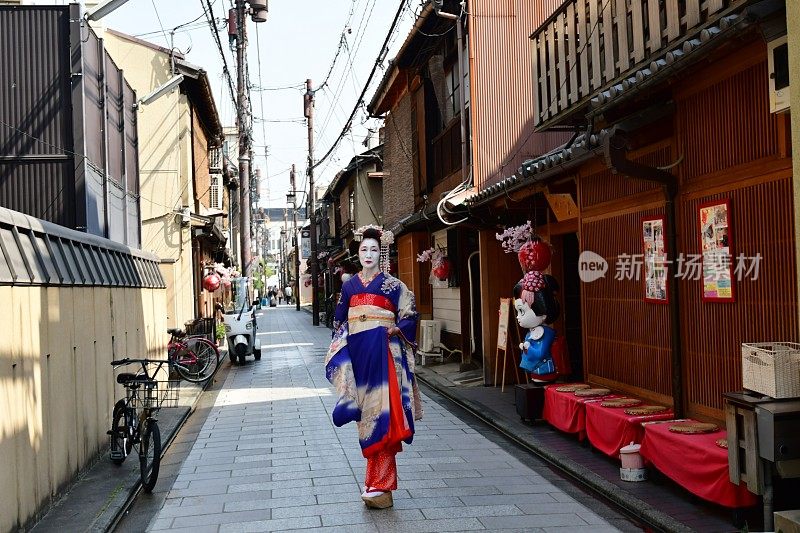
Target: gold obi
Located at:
point(363, 317)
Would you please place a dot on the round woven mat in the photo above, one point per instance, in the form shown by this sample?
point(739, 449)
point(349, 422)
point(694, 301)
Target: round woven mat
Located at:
point(588, 393)
point(621, 402)
point(693, 428)
point(722, 443)
point(572, 388)
point(643, 410)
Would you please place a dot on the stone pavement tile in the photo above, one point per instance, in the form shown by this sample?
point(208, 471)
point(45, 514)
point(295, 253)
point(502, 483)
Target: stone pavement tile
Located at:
point(162, 523)
point(196, 476)
point(547, 520)
point(512, 499)
point(562, 497)
point(269, 503)
point(355, 488)
point(199, 490)
point(269, 485)
point(320, 510)
point(268, 471)
point(445, 475)
point(453, 491)
point(213, 528)
point(508, 485)
point(334, 480)
point(191, 510)
point(351, 528)
point(316, 474)
point(233, 467)
point(428, 503)
point(345, 520)
point(475, 511)
point(592, 519)
point(447, 524)
point(282, 524)
point(223, 518)
point(410, 460)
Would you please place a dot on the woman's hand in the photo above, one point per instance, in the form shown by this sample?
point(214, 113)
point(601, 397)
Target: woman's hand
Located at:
point(393, 331)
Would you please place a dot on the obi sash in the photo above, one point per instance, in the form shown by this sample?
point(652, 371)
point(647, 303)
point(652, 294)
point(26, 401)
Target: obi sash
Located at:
point(369, 311)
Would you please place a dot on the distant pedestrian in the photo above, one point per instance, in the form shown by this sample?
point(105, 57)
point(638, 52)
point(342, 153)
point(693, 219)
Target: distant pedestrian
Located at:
point(288, 292)
point(280, 296)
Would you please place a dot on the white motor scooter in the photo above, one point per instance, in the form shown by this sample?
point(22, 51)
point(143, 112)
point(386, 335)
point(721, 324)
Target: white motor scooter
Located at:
point(240, 324)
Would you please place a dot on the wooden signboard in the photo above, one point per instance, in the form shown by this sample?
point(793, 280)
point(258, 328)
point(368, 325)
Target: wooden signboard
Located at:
point(502, 343)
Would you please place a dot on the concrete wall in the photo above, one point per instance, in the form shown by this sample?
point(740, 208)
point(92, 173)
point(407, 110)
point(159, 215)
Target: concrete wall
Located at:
point(56, 384)
point(793, 38)
point(165, 167)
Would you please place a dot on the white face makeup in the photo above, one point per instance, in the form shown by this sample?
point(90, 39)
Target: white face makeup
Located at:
point(369, 254)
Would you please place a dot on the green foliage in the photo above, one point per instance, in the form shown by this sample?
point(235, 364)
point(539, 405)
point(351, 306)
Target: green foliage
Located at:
point(220, 331)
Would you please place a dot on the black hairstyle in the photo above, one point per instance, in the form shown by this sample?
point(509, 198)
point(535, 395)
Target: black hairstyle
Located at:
point(544, 300)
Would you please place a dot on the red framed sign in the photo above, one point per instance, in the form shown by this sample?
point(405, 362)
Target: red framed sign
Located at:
point(654, 260)
point(717, 252)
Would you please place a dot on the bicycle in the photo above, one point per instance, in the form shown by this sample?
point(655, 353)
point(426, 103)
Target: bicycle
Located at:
point(193, 357)
point(133, 423)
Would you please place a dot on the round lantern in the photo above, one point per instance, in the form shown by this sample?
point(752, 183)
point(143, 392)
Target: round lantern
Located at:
point(442, 270)
point(534, 255)
point(211, 282)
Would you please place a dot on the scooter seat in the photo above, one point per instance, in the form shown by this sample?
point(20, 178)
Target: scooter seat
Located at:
point(125, 377)
point(178, 332)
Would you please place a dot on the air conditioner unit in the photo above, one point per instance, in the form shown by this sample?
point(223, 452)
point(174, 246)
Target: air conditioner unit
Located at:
point(778, 64)
point(430, 335)
point(216, 192)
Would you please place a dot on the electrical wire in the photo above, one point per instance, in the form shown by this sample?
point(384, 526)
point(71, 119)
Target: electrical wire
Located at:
point(215, 33)
point(166, 40)
point(347, 125)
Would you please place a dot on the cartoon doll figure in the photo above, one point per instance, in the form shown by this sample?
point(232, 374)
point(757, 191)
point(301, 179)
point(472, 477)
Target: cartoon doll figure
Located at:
point(537, 307)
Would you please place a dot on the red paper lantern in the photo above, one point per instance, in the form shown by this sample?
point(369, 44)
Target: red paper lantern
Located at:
point(211, 282)
point(442, 270)
point(534, 255)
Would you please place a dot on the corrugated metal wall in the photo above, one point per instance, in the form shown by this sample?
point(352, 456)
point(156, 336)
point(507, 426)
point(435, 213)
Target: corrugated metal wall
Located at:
point(42, 165)
point(35, 167)
point(502, 87)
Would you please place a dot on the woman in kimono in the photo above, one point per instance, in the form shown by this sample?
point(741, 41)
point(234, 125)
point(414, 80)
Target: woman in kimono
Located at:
point(371, 364)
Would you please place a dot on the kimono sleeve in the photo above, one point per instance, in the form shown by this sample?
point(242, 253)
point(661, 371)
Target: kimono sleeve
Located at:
point(342, 306)
point(407, 315)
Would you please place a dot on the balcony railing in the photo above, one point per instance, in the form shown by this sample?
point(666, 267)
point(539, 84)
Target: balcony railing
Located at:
point(446, 152)
point(588, 45)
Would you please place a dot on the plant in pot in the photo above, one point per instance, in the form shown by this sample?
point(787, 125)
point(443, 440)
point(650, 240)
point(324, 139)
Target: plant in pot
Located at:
point(220, 334)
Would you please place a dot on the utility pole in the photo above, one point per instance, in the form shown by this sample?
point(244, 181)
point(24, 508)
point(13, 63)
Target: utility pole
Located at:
point(296, 242)
point(308, 108)
point(243, 124)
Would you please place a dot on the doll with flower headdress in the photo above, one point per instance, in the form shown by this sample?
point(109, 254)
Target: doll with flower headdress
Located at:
point(535, 301)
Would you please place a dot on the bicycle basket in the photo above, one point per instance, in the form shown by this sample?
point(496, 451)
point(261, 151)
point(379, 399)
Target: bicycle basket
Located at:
point(157, 394)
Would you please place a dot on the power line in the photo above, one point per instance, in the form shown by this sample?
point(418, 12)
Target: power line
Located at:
point(215, 32)
point(166, 40)
point(347, 125)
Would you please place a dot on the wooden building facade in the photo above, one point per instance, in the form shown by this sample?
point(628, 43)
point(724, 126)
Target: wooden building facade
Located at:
point(680, 120)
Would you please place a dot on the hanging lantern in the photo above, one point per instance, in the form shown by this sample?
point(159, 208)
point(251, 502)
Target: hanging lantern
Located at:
point(534, 255)
point(442, 270)
point(211, 282)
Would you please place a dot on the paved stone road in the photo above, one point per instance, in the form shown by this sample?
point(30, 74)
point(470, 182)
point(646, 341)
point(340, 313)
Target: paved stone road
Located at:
point(269, 459)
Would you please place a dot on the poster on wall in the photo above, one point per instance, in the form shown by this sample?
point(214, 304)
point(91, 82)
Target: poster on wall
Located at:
point(715, 246)
point(654, 260)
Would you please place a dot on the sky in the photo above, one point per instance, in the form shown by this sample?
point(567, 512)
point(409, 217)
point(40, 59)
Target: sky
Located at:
point(298, 41)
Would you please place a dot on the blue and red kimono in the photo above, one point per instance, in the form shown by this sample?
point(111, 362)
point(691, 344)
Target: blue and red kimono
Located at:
point(374, 373)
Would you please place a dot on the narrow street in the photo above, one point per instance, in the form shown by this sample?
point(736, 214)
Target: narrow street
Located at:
point(268, 458)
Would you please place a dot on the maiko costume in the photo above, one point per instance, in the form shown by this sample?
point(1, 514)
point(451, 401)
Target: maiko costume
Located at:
point(373, 372)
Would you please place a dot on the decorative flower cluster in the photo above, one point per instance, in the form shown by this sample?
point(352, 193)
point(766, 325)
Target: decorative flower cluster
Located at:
point(514, 237)
point(434, 255)
point(533, 281)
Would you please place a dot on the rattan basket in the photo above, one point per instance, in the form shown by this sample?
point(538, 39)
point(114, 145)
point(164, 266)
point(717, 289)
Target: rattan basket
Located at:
point(772, 368)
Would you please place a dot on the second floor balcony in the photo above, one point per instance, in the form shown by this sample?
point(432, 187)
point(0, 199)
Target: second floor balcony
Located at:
point(594, 48)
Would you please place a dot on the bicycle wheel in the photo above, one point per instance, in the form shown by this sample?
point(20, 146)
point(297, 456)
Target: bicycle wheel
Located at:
point(198, 361)
point(121, 442)
point(150, 454)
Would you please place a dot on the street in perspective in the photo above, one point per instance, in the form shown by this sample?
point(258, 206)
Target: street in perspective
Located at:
point(399, 265)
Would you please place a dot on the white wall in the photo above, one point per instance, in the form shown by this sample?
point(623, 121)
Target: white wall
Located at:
point(446, 302)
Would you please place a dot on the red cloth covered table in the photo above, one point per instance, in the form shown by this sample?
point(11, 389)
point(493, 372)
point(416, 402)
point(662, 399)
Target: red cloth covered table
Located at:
point(610, 428)
point(695, 463)
point(565, 411)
